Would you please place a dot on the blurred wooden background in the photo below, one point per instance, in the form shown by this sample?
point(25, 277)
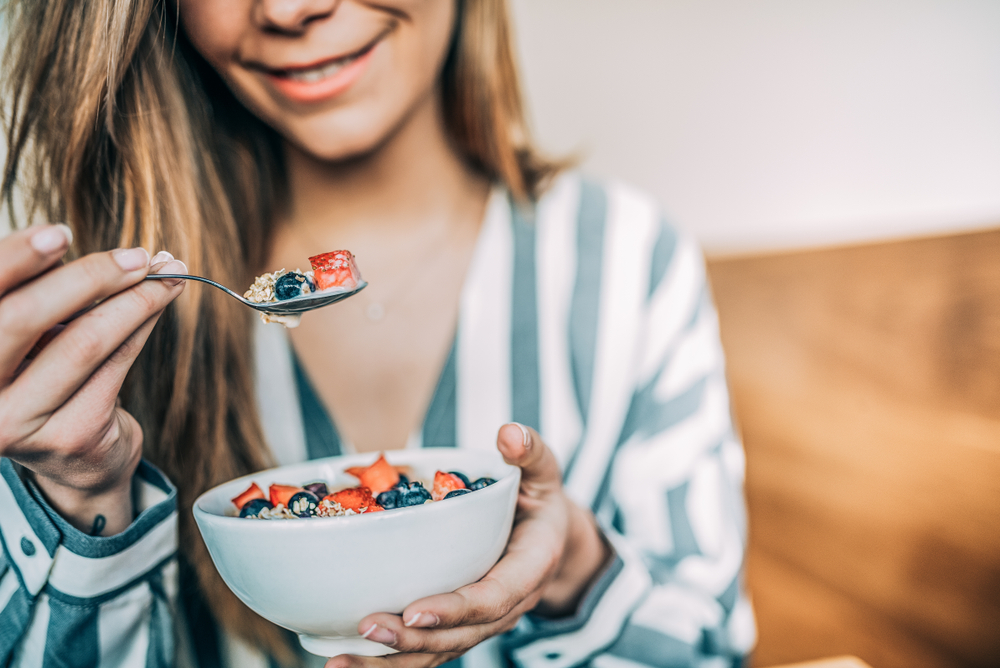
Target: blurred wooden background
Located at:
point(866, 381)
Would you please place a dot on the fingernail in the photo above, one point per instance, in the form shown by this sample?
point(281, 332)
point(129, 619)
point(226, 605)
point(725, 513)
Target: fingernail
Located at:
point(369, 631)
point(413, 620)
point(162, 256)
point(524, 433)
point(173, 267)
point(130, 259)
point(381, 635)
point(424, 620)
point(52, 238)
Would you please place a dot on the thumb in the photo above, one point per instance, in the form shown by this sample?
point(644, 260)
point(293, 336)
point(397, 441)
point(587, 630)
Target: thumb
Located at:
point(521, 446)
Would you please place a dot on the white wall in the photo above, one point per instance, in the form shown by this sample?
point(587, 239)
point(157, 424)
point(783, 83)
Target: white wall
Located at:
point(777, 123)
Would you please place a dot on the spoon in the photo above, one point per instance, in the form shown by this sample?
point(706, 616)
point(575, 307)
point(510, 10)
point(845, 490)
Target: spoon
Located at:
point(285, 307)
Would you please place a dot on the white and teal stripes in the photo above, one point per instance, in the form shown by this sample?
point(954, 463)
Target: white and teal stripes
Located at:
point(68, 600)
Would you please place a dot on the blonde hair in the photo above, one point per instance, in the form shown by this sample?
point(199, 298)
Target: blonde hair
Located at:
point(117, 126)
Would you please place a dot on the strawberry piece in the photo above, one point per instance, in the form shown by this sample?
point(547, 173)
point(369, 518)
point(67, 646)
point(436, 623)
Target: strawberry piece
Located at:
point(281, 494)
point(355, 498)
point(336, 269)
point(379, 477)
point(356, 471)
point(444, 483)
point(249, 494)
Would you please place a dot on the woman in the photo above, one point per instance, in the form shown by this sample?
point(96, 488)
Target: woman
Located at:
point(245, 136)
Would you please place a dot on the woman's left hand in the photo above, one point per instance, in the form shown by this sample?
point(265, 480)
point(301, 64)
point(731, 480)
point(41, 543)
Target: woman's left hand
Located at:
point(555, 552)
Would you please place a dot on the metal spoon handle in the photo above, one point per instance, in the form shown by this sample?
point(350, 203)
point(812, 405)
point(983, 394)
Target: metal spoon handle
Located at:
point(203, 280)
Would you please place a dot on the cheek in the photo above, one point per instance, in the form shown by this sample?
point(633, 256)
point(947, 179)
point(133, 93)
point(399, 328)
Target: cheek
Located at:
point(214, 27)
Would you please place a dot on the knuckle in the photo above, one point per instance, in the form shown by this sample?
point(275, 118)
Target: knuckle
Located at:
point(125, 352)
point(97, 270)
point(146, 298)
point(416, 643)
point(85, 346)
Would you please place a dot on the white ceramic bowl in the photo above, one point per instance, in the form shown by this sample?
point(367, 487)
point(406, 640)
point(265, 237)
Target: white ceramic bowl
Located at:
point(320, 577)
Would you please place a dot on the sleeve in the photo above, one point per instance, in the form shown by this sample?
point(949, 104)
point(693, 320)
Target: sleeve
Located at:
point(70, 599)
point(671, 503)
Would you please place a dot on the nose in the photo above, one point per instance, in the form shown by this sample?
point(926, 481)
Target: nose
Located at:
point(291, 16)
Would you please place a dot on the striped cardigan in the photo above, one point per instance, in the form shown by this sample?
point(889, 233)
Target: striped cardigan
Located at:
point(586, 317)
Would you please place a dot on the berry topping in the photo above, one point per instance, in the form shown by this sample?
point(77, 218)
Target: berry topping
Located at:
point(480, 483)
point(444, 483)
point(415, 495)
point(303, 504)
point(252, 492)
point(461, 476)
point(335, 269)
point(280, 494)
point(292, 284)
point(454, 493)
point(390, 499)
point(358, 499)
point(253, 507)
point(317, 488)
point(379, 477)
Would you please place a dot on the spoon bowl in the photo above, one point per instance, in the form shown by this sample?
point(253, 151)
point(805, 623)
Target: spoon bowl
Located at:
point(285, 307)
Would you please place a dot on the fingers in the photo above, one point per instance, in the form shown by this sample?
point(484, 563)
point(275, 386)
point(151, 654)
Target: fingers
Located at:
point(532, 555)
point(522, 446)
point(36, 306)
point(391, 632)
point(458, 620)
point(29, 252)
point(109, 336)
point(392, 661)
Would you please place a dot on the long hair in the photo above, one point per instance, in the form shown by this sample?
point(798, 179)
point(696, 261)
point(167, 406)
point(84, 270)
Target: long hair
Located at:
point(117, 126)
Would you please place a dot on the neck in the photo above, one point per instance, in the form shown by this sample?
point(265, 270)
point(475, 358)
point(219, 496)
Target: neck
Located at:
point(416, 180)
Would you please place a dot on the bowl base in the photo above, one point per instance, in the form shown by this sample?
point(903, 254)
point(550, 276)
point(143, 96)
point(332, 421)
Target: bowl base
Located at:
point(330, 646)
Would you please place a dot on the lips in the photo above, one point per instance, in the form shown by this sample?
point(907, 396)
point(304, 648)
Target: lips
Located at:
point(323, 81)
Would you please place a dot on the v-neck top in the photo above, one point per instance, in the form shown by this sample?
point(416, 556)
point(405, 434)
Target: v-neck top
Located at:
point(439, 425)
point(322, 439)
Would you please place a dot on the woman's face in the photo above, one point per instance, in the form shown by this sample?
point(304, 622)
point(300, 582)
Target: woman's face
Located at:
point(334, 77)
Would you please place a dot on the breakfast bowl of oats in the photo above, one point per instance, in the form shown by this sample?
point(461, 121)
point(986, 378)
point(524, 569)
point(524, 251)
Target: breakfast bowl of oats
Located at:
point(319, 567)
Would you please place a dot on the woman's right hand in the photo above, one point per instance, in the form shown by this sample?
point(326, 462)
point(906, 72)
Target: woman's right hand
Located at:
point(59, 385)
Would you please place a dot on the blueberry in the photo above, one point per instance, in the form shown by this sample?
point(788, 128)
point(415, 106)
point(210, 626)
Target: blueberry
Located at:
point(456, 492)
point(414, 496)
point(292, 285)
point(403, 481)
point(460, 476)
point(482, 482)
point(303, 504)
point(390, 499)
point(253, 507)
point(317, 488)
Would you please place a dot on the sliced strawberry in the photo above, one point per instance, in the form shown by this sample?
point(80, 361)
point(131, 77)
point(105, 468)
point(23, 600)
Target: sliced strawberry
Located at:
point(355, 498)
point(281, 493)
point(444, 483)
point(356, 471)
point(252, 492)
point(335, 269)
point(379, 477)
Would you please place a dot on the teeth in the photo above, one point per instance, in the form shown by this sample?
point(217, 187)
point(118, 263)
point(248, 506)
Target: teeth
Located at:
point(319, 73)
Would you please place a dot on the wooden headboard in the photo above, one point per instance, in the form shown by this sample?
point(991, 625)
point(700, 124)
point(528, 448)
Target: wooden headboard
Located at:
point(866, 383)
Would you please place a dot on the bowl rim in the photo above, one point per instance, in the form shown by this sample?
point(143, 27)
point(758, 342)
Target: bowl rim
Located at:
point(201, 513)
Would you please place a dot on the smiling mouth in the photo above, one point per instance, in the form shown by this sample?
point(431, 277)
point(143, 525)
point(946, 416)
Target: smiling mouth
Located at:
point(328, 68)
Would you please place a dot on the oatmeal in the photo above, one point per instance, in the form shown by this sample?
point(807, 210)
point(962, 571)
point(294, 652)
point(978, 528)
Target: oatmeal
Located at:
point(382, 487)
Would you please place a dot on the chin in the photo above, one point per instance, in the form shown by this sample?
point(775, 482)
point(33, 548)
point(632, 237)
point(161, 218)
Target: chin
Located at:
point(344, 134)
point(335, 147)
